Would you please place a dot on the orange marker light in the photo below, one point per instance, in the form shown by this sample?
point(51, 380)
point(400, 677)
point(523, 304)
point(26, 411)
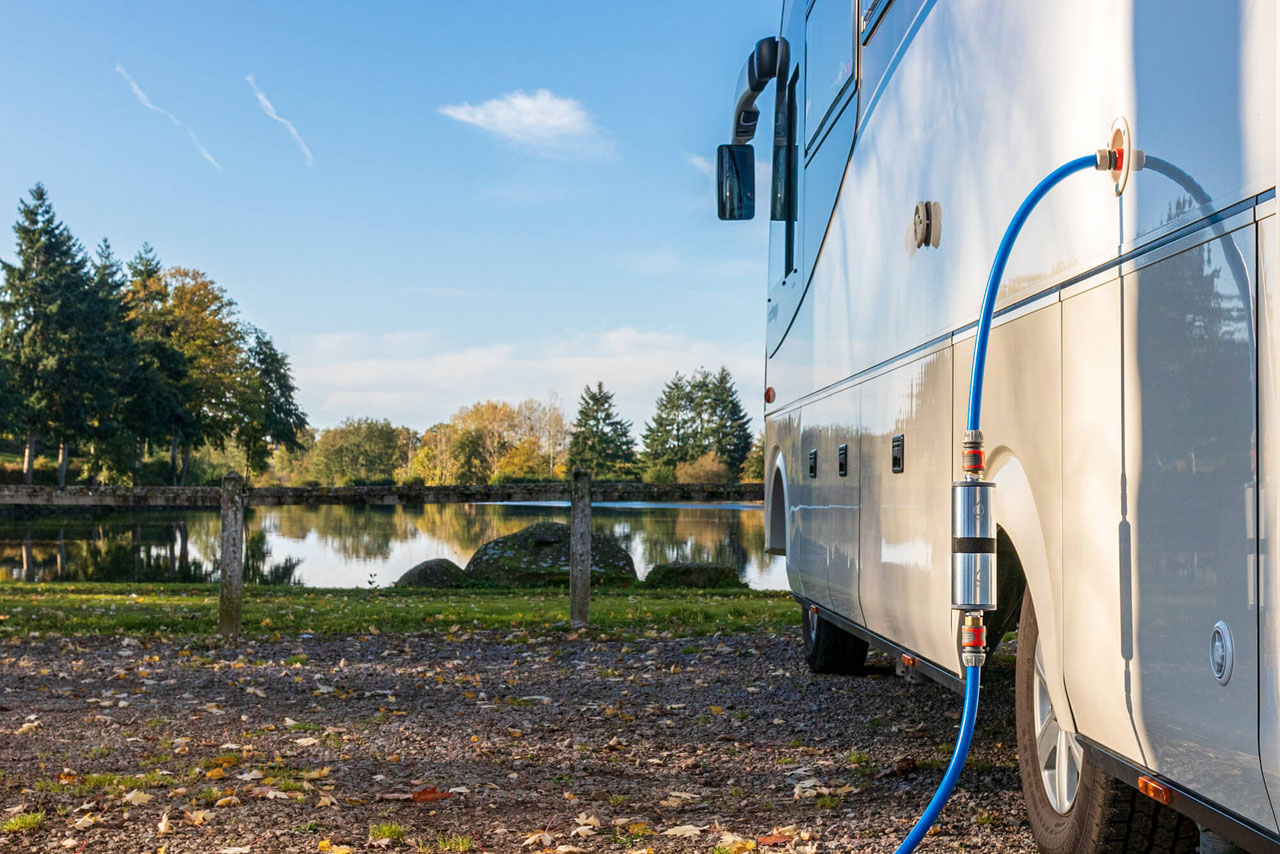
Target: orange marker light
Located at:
point(769, 395)
point(909, 660)
point(1157, 792)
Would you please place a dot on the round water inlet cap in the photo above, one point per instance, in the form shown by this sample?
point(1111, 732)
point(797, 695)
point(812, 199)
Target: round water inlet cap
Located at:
point(1221, 653)
point(1121, 142)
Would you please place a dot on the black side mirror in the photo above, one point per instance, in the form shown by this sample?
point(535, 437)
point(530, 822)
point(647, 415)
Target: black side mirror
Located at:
point(736, 182)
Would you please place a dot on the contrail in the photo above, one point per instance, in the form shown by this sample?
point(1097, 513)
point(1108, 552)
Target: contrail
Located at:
point(146, 102)
point(271, 111)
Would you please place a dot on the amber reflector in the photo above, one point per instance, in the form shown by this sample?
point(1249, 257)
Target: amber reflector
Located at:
point(1157, 792)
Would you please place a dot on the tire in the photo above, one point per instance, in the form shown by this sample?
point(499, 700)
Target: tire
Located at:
point(1105, 815)
point(829, 648)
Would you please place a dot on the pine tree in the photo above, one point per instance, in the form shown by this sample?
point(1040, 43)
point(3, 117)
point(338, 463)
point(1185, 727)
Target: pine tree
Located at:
point(671, 437)
point(601, 442)
point(727, 427)
point(265, 406)
point(695, 416)
point(50, 330)
point(117, 424)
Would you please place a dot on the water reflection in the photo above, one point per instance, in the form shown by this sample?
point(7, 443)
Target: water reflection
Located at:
point(356, 546)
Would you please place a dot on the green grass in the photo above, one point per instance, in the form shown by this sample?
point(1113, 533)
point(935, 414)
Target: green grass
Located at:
point(191, 609)
point(23, 823)
point(386, 830)
point(452, 842)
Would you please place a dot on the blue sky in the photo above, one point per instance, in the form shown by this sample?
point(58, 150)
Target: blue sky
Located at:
point(425, 204)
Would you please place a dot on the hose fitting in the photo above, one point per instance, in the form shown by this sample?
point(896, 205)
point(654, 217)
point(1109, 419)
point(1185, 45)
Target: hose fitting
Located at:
point(973, 640)
point(973, 460)
point(973, 546)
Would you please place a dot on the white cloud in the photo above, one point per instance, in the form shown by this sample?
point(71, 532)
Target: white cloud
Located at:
point(408, 378)
point(271, 111)
point(146, 102)
point(542, 121)
point(702, 164)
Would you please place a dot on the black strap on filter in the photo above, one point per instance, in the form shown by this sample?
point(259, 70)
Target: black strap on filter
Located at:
point(973, 545)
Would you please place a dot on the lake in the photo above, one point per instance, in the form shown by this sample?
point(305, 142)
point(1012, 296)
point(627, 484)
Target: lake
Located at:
point(341, 546)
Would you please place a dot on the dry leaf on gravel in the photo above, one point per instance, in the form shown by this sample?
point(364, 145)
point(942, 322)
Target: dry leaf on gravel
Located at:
point(197, 817)
point(137, 798)
point(228, 801)
point(309, 741)
point(317, 774)
point(538, 837)
point(683, 830)
point(163, 826)
point(427, 795)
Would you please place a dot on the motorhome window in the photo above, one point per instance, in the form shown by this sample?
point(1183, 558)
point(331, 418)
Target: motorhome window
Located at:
point(828, 59)
point(871, 17)
point(793, 167)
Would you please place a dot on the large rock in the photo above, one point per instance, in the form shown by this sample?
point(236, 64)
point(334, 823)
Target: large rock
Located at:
point(699, 575)
point(440, 572)
point(538, 556)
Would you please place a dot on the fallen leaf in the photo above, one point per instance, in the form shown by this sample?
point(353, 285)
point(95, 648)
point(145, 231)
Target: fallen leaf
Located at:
point(215, 774)
point(684, 830)
point(569, 848)
point(309, 741)
point(26, 728)
point(196, 818)
point(317, 774)
point(255, 774)
point(164, 824)
point(228, 801)
point(428, 795)
point(327, 801)
point(84, 822)
point(538, 837)
point(137, 798)
point(773, 839)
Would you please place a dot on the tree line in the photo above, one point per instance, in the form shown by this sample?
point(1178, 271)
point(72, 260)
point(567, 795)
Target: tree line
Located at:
point(699, 433)
point(147, 374)
point(113, 362)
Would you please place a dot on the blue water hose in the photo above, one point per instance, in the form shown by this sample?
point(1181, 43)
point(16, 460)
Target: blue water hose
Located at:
point(997, 273)
point(972, 679)
point(973, 673)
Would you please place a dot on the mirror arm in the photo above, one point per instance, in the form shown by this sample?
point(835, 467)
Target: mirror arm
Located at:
point(761, 67)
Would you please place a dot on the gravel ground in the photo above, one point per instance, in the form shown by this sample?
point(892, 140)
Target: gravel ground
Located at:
point(660, 744)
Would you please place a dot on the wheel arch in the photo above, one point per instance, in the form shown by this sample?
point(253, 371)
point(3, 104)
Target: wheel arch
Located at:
point(1023, 542)
point(777, 524)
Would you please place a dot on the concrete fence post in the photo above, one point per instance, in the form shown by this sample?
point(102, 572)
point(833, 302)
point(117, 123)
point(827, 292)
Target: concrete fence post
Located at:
point(579, 548)
point(231, 556)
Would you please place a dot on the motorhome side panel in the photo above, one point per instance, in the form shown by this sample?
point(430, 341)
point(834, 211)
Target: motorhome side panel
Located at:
point(906, 536)
point(1269, 492)
point(824, 542)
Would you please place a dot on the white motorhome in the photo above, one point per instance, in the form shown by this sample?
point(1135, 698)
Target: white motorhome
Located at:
point(1132, 385)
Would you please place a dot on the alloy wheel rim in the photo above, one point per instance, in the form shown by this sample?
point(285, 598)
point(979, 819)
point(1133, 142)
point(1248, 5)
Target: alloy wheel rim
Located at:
point(1059, 753)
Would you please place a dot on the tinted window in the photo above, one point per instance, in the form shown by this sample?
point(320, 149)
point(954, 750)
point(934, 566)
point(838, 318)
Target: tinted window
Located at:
point(828, 57)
